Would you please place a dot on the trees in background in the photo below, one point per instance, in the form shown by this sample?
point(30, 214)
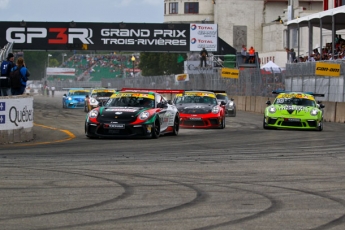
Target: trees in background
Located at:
point(155, 64)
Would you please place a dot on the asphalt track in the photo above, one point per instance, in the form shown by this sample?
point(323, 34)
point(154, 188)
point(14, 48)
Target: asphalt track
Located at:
point(242, 177)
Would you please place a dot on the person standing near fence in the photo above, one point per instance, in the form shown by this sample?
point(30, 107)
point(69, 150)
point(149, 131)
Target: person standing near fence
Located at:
point(203, 56)
point(19, 76)
point(53, 90)
point(6, 66)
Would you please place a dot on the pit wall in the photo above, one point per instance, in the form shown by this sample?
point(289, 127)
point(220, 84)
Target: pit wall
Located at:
point(333, 112)
point(16, 119)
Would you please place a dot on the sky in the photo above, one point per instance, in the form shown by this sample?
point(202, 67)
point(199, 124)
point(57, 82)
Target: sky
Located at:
point(134, 11)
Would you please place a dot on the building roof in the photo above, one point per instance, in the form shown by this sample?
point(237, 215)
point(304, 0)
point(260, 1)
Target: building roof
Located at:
point(322, 19)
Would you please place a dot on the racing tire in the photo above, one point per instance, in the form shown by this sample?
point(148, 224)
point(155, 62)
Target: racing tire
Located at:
point(176, 126)
point(264, 124)
point(156, 129)
point(87, 133)
point(222, 125)
point(320, 128)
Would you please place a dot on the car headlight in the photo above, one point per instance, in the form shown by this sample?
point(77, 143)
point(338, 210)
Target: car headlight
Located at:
point(93, 114)
point(272, 109)
point(93, 100)
point(215, 109)
point(70, 99)
point(314, 112)
point(144, 115)
point(231, 103)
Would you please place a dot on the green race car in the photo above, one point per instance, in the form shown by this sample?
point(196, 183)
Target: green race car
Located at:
point(294, 110)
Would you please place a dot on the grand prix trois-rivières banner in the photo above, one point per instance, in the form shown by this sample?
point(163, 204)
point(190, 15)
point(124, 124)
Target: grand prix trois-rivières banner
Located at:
point(152, 37)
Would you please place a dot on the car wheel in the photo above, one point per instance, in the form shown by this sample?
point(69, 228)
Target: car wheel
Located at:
point(222, 125)
point(176, 127)
point(264, 124)
point(320, 128)
point(87, 132)
point(156, 129)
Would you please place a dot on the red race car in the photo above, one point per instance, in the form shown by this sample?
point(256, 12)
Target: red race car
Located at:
point(199, 109)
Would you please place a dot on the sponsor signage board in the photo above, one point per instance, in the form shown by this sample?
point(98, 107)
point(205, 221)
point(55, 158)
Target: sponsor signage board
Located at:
point(16, 113)
point(327, 69)
point(181, 77)
point(203, 36)
point(61, 71)
point(96, 36)
point(230, 73)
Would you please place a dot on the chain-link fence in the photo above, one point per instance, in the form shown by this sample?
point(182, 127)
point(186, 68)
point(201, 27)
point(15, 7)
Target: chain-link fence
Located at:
point(301, 77)
point(251, 82)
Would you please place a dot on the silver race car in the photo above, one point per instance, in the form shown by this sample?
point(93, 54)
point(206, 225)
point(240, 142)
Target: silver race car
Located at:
point(230, 106)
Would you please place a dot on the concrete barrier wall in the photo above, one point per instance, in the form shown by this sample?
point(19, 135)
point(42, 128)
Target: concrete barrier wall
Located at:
point(329, 111)
point(333, 111)
point(340, 112)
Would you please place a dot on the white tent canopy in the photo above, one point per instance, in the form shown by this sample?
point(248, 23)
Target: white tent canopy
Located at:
point(272, 67)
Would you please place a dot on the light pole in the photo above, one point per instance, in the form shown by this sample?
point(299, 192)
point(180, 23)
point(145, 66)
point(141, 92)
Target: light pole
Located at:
point(133, 60)
point(63, 58)
point(49, 55)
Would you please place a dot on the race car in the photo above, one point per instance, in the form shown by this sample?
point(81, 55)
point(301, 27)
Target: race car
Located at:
point(75, 98)
point(294, 110)
point(199, 109)
point(133, 114)
point(97, 98)
point(230, 106)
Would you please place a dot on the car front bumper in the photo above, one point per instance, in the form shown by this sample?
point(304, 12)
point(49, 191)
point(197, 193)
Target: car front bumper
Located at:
point(292, 123)
point(127, 131)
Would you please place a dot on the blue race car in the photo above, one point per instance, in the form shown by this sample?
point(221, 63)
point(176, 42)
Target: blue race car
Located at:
point(75, 98)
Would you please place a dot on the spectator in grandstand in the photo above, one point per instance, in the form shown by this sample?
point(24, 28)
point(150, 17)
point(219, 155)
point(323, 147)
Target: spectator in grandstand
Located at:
point(244, 53)
point(251, 57)
point(292, 55)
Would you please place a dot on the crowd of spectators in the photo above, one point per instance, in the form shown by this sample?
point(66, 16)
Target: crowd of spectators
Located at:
point(326, 54)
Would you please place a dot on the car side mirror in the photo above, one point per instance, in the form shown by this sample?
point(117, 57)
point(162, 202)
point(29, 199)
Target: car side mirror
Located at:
point(322, 106)
point(268, 103)
point(231, 99)
point(162, 105)
point(170, 102)
point(222, 103)
point(65, 95)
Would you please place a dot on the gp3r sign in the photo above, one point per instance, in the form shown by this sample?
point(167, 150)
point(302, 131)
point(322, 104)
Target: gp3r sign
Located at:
point(327, 69)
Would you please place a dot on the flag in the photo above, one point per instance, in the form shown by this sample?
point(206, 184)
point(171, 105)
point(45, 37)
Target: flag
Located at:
point(180, 58)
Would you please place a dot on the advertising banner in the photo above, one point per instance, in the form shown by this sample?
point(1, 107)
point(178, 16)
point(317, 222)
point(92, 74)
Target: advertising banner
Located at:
point(230, 73)
point(61, 71)
point(192, 67)
point(156, 37)
point(327, 69)
point(203, 36)
point(181, 77)
point(16, 113)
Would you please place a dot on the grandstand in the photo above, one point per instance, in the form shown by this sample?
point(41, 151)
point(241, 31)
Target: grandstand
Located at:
point(95, 68)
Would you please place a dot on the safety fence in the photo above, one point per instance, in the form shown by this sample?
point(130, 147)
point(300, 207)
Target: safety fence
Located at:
point(301, 77)
point(251, 82)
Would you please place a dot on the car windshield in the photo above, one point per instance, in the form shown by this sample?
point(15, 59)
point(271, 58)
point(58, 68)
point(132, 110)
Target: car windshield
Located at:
point(102, 94)
point(129, 101)
point(196, 99)
point(295, 101)
point(222, 97)
point(78, 93)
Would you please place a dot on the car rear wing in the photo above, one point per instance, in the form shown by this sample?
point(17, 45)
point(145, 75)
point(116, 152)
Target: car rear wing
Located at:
point(162, 91)
point(310, 93)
